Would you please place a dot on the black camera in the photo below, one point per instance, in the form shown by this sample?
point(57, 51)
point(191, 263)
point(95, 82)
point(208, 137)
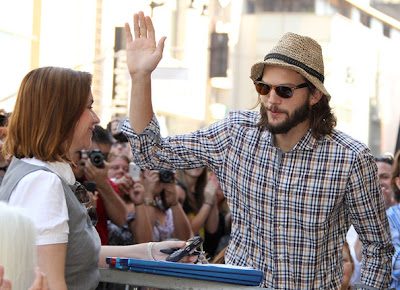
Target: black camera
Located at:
point(166, 176)
point(96, 157)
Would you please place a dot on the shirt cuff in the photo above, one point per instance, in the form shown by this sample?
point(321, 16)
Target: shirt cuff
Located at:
point(150, 134)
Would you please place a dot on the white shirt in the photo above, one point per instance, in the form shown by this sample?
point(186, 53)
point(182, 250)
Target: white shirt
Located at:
point(42, 195)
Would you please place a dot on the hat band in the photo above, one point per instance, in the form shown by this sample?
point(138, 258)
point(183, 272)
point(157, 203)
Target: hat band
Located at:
point(297, 63)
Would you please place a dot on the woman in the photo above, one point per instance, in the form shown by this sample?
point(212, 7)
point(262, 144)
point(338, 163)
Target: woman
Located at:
point(52, 119)
point(165, 211)
point(201, 202)
point(138, 227)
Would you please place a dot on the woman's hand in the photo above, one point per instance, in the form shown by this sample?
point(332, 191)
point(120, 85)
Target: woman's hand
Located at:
point(40, 282)
point(171, 198)
point(136, 193)
point(142, 53)
point(159, 256)
point(151, 179)
point(5, 284)
point(210, 191)
point(124, 184)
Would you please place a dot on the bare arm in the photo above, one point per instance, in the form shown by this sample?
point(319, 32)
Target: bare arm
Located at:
point(143, 57)
point(140, 251)
point(141, 227)
point(51, 261)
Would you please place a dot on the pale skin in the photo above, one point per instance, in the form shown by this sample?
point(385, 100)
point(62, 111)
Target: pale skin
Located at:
point(51, 258)
point(40, 282)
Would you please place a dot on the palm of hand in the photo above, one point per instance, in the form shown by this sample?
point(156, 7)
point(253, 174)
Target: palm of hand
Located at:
point(142, 55)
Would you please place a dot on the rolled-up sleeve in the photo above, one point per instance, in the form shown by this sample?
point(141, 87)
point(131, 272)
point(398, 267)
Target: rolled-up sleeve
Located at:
point(204, 147)
point(368, 215)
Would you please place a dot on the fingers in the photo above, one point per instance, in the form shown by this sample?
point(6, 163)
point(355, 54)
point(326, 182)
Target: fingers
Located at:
point(40, 282)
point(150, 29)
point(136, 25)
point(142, 25)
point(160, 46)
point(6, 285)
point(128, 34)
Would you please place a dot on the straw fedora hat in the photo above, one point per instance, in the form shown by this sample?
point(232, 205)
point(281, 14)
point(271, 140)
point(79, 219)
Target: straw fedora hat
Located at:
point(299, 53)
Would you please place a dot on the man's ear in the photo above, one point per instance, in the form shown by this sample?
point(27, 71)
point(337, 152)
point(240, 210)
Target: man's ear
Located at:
point(315, 96)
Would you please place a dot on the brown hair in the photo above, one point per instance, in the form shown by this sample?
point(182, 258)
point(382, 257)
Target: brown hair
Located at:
point(194, 200)
point(49, 104)
point(396, 173)
point(322, 119)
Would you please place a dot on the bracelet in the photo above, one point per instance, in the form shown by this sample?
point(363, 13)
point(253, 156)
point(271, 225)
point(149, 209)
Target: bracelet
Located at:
point(176, 203)
point(209, 203)
point(149, 248)
point(151, 202)
point(140, 203)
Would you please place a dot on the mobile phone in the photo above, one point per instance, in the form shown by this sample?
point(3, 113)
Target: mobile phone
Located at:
point(191, 244)
point(134, 171)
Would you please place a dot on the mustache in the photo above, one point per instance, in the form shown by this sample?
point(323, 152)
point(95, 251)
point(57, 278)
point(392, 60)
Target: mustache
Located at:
point(274, 109)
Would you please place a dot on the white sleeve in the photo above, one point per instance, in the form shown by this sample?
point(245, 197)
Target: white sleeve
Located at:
point(42, 195)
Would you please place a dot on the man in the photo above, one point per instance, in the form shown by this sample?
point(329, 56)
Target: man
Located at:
point(293, 183)
point(109, 203)
point(385, 166)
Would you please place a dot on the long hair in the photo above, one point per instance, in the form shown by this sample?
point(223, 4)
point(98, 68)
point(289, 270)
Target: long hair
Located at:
point(396, 173)
point(49, 104)
point(194, 200)
point(18, 246)
point(322, 119)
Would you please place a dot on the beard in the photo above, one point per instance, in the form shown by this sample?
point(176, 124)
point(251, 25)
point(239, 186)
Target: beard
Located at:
point(298, 116)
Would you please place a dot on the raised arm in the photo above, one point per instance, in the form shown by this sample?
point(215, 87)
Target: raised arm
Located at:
point(143, 57)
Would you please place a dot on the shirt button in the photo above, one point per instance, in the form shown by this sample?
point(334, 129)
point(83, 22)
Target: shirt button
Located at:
point(281, 228)
point(280, 257)
point(281, 197)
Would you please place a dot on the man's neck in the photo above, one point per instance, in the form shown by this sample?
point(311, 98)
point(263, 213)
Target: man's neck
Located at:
point(287, 141)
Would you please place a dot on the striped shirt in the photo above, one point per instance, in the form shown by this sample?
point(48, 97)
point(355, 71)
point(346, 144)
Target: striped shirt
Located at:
point(290, 210)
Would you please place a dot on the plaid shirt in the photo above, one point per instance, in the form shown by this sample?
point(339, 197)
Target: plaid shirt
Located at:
point(290, 210)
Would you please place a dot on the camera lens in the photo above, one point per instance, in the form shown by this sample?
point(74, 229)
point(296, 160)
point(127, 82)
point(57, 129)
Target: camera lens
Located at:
point(166, 176)
point(97, 158)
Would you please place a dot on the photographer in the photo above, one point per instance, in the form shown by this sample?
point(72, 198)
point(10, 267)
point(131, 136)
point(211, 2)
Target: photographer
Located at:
point(109, 204)
point(138, 228)
point(165, 212)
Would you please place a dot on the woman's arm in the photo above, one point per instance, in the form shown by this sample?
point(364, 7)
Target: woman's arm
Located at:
point(51, 261)
point(142, 251)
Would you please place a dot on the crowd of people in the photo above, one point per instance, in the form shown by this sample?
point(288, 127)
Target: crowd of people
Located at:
point(281, 191)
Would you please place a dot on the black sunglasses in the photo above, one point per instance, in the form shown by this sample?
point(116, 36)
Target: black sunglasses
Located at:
point(282, 91)
point(82, 195)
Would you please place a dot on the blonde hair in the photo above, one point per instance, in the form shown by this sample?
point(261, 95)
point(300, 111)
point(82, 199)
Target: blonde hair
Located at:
point(49, 104)
point(17, 246)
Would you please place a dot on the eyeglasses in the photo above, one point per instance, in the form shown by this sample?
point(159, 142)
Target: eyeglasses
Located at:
point(385, 158)
point(282, 91)
point(82, 195)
